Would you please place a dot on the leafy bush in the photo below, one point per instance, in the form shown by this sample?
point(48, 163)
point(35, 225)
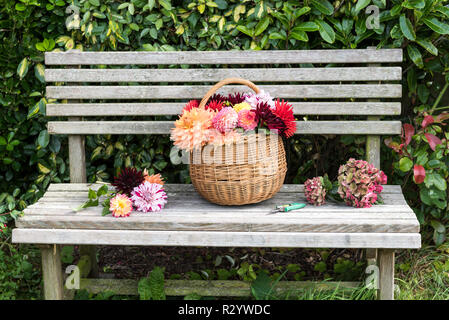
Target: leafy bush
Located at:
point(31, 159)
point(19, 277)
point(424, 158)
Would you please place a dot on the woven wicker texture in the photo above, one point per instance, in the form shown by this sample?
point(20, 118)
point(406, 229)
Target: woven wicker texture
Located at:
point(249, 171)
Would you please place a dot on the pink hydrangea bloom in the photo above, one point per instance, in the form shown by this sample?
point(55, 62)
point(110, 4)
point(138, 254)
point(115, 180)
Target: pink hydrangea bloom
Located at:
point(360, 183)
point(314, 191)
point(149, 197)
point(247, 119)
point(225, 120)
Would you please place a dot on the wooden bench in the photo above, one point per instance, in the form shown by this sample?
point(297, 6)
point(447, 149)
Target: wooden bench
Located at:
point(341, 82)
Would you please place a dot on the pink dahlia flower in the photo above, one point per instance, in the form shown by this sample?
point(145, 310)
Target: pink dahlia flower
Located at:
point(225, 120)
point(254, 99)
point(149, 197)
point(247, 119)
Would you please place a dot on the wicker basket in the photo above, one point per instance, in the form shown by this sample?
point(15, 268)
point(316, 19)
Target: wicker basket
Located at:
point(249, 171)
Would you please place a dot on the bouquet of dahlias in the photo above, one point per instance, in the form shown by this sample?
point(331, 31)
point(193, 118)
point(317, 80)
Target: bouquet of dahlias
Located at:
point(224, 119)
point(133, 189)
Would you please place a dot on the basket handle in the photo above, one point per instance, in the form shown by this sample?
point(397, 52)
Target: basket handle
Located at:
point(224, 82)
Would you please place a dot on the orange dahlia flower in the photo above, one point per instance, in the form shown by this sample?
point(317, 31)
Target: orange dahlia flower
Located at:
point(192, 129)
point(154, 178)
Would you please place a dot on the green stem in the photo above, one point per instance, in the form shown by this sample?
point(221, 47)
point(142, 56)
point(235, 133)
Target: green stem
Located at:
point(440, 96)
point(441, 108)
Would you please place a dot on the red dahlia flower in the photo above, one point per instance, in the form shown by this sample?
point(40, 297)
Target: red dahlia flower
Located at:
point(190, 105)
point(284, 111)
point(215, 105)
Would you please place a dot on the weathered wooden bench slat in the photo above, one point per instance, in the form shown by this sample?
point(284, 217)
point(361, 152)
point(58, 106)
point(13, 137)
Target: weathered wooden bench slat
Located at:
point(83, 187)
point(215, 75)
point(320, 91)
point(386, 212)
point(179, 201)
point(175, 108)
point(218, 239)
point(224, 225)
point(61, 197)
point(164, 127)
point(224, 57)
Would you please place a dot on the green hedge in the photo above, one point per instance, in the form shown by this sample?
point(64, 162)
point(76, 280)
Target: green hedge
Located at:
point(31, 159)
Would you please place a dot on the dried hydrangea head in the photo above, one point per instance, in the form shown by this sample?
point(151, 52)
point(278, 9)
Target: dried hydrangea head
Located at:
point(120, 206)
point(192, 129)
point(127, 180)
point(225, 120)
point(149, 197)
point(247, 120)
point(360, 183)
point(314, 191)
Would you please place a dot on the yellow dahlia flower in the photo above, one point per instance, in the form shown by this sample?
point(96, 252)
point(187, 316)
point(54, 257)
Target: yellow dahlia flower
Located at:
point(242, 106)
point(120, 206)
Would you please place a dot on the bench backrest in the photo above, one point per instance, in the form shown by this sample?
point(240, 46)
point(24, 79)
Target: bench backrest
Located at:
point(317, 82)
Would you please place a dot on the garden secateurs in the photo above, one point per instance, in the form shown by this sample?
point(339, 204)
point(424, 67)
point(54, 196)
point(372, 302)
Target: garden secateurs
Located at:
point(288, 207)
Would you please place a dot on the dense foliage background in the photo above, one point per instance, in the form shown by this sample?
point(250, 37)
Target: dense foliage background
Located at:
point(31, 159)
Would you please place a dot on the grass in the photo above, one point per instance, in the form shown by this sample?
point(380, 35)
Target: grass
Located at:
point(420, 275)
point(338, 294)
point(423, 274)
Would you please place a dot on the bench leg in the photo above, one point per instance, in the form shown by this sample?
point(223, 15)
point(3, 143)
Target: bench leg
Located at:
point(91, 252)
point(386, 274)
point(52, 272)
point(371, 256)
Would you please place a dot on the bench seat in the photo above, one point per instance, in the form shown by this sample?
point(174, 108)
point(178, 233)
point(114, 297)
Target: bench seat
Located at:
point(189, 220)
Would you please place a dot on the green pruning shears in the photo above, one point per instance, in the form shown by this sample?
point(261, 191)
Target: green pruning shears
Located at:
point(288, 207)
